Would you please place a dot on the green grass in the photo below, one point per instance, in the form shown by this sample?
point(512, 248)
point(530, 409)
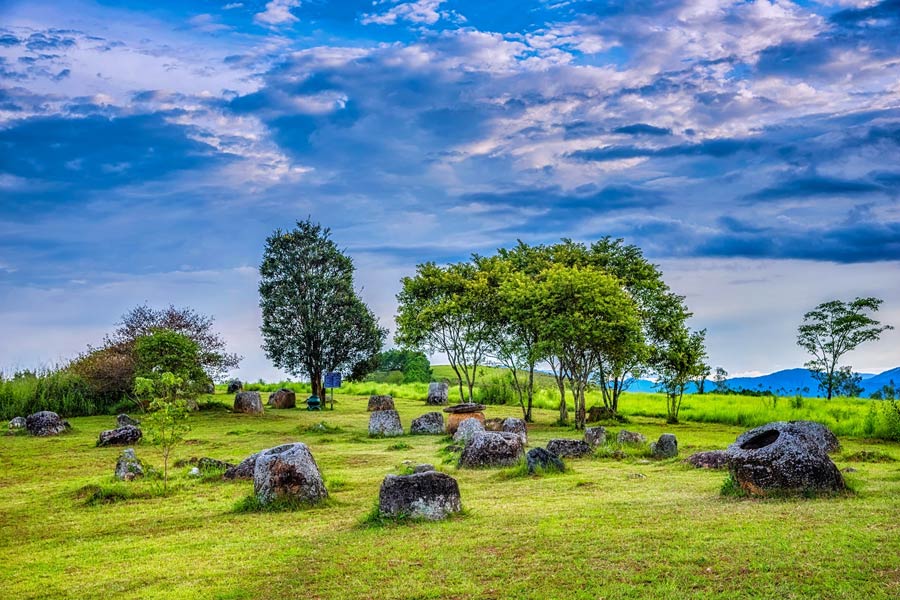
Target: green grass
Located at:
point(627, 527)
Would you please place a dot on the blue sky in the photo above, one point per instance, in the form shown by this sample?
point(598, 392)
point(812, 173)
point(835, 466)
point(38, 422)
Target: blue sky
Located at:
point(147, 149)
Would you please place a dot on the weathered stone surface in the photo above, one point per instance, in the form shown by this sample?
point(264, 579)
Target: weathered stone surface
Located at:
point(235, 386)
point(465, 407)
point(288, 472)
point(454, 419)
point(784, 459)
point(385, 423)
point(665, 447)
point(595, 436)
point(430, 495)
point(423, 468)
point(120, 436)
point(517, 426)
point(437, 393)
point(248, 403)
point(493, 424)
point(128, 466)
point(566, 448)
point(45, 423)
point(492, 449)
point(466, 429)
point(17, 423)
point(631, 437)
point(543, 460)
point(244, 469)
point(210, 388)
point(123, 420)
point(283, 398)
point(428, 424)
point(380, 403)
point(712, 459)
point(817, 432)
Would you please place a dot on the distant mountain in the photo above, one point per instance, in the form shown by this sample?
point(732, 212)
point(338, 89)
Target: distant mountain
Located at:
point(784, 383)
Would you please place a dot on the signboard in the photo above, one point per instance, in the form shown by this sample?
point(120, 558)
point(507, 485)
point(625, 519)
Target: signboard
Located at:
point(332, 380)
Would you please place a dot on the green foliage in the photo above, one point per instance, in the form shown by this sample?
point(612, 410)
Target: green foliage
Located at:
point(313, 319)
point(444, 310)
point(399, 446)
point(833, 329)
point(731, 489)
point(497, 390)
point(251, 504)
point(164, 354)
point(587, 316)
point(142, 321)
point(401, 366)
point(58, 390)
point(679, 360)
point(166, 423)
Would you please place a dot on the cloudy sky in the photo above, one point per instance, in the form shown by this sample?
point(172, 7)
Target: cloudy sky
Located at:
point(147, 148)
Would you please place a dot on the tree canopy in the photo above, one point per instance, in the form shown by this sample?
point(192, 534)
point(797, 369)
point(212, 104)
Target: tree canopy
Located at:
point(831, 330)
point(313, 321)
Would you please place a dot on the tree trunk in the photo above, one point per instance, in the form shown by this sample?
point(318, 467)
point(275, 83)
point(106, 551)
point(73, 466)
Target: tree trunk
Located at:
point(530, 393)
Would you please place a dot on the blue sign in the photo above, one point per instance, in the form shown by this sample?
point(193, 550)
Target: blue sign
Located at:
point(332, 380)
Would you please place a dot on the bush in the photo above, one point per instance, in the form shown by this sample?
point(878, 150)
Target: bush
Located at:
point(498, 390)
point(58, 390)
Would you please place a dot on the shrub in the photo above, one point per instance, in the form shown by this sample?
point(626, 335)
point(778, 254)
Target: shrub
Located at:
point(59, 390)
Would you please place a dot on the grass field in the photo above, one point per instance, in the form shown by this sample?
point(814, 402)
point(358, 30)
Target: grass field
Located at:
point(630, 528)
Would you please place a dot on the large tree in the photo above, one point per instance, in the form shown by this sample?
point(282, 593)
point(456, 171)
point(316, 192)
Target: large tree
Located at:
point(586, 316)
point(831, 330)
point(445, 310)
point(313, 319)
point(144, 320)
point(661, 312)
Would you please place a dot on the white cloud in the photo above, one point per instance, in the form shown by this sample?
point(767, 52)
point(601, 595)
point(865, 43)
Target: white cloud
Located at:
point(277, 13)
point(420, 11)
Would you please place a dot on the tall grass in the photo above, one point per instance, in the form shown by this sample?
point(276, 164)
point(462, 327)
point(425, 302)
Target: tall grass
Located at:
point(57, 390)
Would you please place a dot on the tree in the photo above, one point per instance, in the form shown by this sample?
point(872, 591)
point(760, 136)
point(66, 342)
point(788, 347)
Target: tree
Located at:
point(660, 310)
point(313, 321)
point(445, 310)
point(166, 424)
point(412, 366)
point(586, 315)
point(721, 380)
point(847, 383)
point(833, 329)
point(680, 360)
point(144, 320)
point(164, 351)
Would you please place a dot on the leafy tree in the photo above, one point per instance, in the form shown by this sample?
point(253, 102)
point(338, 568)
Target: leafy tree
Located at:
point(166, 424)
point(164, 351)
point(144, 320)
point(412, 366)
point(680, 360)
point(833, 329)
point(108, 371)
point(445, 310)
point(847, 383)
point(660, 310)
point(313, 319)
point(586, 315)
point(721, 380)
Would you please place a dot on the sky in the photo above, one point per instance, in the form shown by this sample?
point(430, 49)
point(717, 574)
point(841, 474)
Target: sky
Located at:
point(148, 148)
